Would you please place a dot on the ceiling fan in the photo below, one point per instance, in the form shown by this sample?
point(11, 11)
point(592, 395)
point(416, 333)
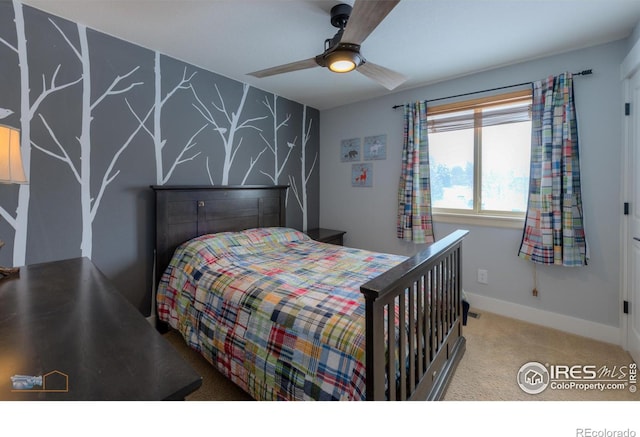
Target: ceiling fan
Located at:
point(342, 52)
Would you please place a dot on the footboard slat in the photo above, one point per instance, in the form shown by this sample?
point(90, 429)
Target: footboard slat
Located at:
point(402, 347)
point(439, 294)
point(433, 334)
point(446, 289)
point(421, 337)
point(391, 347)
point(412, 339)
point(414, 329)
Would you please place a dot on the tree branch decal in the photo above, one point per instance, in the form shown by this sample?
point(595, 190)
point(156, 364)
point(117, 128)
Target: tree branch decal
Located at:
point(229, 131)
point(27, 112)
point(300, 193)
point(63, 156)
point(50, 90)
point(159, 143)
point(273, 146)
point(180, 160)
point(88, 204)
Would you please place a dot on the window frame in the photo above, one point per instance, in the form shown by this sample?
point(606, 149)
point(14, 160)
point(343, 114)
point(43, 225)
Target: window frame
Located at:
point(477, 215)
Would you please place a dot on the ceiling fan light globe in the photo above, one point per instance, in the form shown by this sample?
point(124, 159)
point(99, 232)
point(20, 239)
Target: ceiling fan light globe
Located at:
point(342, 66)
point(343, 61)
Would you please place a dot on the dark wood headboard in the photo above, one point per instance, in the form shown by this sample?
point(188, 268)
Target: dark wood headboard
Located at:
point(187, 211)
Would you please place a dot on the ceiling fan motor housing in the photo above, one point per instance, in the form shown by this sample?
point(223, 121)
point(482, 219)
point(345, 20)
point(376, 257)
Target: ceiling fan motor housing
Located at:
point(340, 15)
point(334, 49)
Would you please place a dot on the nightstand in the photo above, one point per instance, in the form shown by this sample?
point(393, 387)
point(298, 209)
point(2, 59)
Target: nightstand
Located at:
point(330, 236)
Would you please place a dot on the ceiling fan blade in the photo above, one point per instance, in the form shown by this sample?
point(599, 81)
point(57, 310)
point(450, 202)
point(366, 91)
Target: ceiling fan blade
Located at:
point(365, 17)
point(385, 77)
point(286, 68)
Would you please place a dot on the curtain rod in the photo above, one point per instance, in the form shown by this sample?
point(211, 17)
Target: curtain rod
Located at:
point(580, 73)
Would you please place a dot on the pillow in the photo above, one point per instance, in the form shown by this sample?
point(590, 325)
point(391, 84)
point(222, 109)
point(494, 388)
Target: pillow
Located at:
point(274, 235)
point(223, 241)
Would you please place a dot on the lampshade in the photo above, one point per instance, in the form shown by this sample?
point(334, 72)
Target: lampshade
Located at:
point(11, 170)
point(343, 61)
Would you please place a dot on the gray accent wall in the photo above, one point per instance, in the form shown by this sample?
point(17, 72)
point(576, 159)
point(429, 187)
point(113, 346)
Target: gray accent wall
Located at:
point(102, 119)
point(590, 293)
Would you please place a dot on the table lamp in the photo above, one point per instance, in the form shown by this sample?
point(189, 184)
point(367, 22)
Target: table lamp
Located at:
point(11, 172)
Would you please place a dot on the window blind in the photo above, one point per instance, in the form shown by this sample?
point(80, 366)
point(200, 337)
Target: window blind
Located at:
point(487, 116)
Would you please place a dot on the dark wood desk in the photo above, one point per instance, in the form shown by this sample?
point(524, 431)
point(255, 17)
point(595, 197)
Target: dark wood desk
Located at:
point(63, 321)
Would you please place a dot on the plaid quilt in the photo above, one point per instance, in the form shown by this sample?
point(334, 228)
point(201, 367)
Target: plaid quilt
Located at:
point(279, 314)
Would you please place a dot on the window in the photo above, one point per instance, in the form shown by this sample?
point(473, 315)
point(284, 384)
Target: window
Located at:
point(479, 154)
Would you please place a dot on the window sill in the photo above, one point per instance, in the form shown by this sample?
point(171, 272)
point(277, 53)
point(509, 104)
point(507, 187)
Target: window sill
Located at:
point(480, 220)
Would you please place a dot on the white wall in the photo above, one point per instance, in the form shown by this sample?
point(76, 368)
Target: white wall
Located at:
point(582, 300)
point(634, 37)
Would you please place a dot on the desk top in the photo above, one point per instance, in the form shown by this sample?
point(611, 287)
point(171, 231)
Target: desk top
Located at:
point(63, 322)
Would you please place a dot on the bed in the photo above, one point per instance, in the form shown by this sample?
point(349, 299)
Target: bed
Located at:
point(289, 318)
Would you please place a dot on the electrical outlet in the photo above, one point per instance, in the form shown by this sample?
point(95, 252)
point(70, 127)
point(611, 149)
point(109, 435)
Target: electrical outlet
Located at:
point(483, 276)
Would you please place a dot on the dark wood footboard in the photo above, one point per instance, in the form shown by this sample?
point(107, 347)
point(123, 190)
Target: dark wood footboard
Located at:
point(424, 295)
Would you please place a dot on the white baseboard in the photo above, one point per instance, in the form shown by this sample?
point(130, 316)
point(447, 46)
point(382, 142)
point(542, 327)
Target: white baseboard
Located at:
point(573, 325)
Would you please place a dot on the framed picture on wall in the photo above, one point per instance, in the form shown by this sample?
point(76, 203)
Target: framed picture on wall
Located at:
point(362, 175)
point(375, 147)
point(350, 150)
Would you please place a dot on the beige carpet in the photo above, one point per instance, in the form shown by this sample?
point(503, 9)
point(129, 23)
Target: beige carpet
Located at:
point(498, 346)
point(496, 349)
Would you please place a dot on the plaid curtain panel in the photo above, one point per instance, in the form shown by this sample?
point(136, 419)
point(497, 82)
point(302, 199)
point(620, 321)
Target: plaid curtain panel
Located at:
point(414, 191)
point(554, 231)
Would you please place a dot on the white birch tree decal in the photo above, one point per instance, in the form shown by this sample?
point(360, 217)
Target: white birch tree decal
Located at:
point(88, 203)
point(228, 128)
point(159, 144)
point(273, 146)
point(300, 193)
point(27, 112)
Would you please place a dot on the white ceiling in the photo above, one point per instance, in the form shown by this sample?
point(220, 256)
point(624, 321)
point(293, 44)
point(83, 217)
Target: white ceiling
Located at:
point(426, 40)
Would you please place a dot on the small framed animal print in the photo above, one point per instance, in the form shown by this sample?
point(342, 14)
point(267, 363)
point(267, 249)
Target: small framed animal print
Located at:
point(362, 175)
point(350, 150)
point(375, 147)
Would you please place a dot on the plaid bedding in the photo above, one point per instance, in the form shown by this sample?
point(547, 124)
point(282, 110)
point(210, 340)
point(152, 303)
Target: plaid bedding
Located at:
point(279, 314)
